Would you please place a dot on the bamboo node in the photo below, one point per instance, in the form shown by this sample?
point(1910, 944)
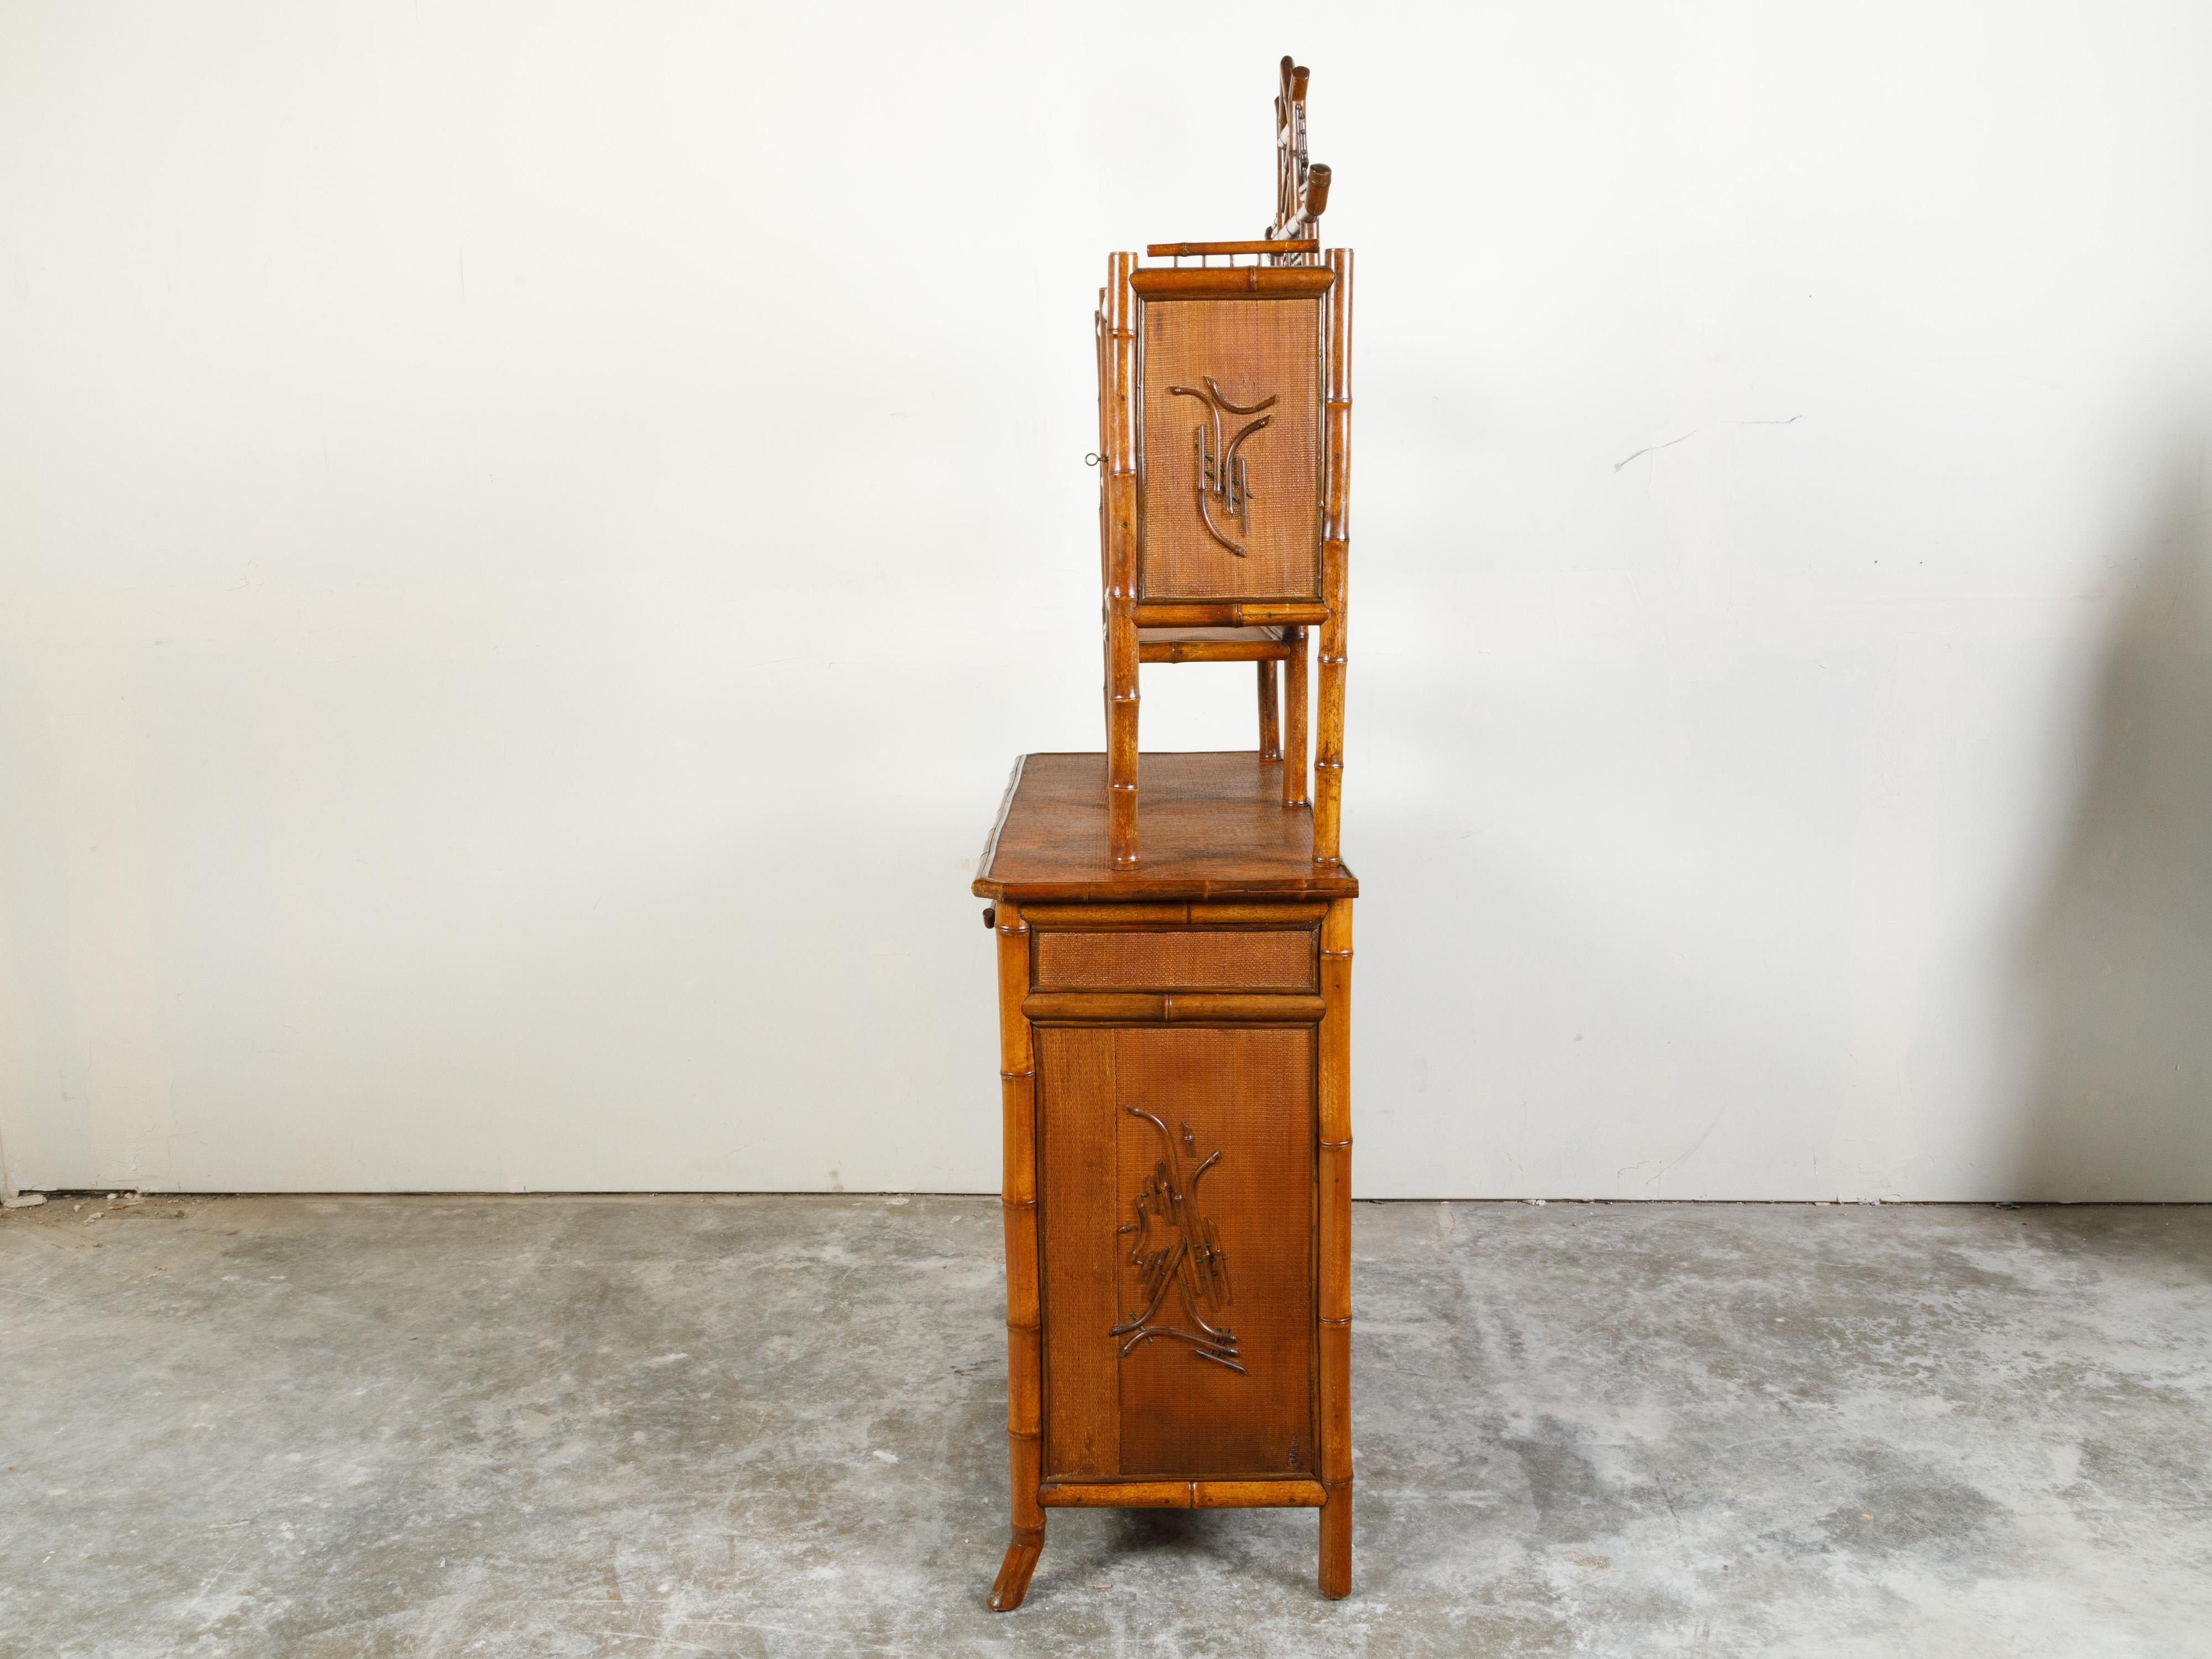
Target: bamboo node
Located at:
point(1346, 1319)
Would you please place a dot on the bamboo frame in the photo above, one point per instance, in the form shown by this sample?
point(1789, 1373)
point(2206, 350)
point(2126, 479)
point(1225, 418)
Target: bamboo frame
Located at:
point(1156, 1008)
point(1335, 555)
point(1229, 281)
point(1266, 653)
point(1333, 1247)
point(1199, 250)
point(1295, 710)
point(1118, 394)
point(1017, 1198)
point(1271, 711)
point(1183, 1495)
point(1325, 882)
point(1194, 912)
point(1245, 613)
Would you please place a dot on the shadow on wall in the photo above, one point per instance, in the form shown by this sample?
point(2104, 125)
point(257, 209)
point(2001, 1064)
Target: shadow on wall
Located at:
point(2119, 963)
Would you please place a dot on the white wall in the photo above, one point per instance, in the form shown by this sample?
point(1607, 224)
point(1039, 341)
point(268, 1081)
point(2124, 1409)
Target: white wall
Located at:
point(520, 527)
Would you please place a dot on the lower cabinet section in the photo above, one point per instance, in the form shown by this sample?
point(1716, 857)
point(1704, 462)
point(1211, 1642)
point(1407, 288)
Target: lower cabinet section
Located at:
point(1174, 1079)
point(1175, 1180)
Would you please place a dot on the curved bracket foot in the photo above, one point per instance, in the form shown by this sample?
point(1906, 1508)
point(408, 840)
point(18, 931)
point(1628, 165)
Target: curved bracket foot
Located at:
point(1013, 1580)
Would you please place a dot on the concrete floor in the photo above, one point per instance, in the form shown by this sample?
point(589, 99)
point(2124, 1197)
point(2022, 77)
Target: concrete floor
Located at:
point(313, 1427)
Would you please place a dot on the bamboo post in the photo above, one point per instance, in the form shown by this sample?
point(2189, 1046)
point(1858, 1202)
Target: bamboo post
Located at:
point(1294, 718)
point(1120, 466)
point(1336, 550)
point(1018, 1201)
point(1333, 1248)
point(1270, 729)
point(1102, 344)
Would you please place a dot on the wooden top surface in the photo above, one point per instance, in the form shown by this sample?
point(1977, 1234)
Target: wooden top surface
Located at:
point(1207, 826)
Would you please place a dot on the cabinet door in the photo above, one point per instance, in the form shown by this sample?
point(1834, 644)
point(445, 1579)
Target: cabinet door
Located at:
point(1177, 1171)
point(1230, 446)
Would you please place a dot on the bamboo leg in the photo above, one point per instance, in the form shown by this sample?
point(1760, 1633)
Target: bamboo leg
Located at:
point(1120, 464)
point(1334, 1215)
point(1336, 1543)
point(1018, 1195)
point(1121, 703)
point(1294, 719)
point(1270, 730)
point(1335, 554)
point(1106, 502)
point(1328, 743)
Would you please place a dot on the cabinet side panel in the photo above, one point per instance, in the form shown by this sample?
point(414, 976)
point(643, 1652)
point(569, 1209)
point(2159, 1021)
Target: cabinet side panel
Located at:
point(1246, 421)
point(1075, 1109)
point(1247, 1094)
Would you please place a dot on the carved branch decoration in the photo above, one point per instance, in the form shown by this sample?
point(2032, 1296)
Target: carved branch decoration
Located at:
point(1187, 1255)
point(1220, 475)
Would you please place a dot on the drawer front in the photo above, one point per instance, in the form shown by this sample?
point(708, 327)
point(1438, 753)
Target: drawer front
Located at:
point(1186, 959)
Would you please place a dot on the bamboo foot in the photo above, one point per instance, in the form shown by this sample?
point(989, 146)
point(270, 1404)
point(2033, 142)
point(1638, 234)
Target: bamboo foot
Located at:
point(1013, 1580)
point(1336, 1543)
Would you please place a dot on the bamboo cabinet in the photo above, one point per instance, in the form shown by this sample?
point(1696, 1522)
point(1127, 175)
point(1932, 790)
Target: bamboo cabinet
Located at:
point(1174, 931)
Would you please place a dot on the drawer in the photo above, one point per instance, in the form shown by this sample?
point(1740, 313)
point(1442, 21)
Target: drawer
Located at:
point(1179, 960)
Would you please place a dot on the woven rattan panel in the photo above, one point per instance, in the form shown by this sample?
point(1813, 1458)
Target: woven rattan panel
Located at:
point(1252, 350)
point(1175, 962)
